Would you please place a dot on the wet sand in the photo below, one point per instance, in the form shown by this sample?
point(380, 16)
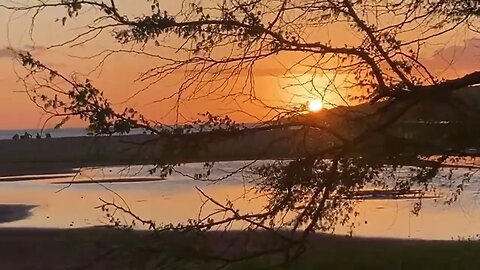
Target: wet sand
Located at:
point(30, 170)
point(33, 178)
point(14, 212)
point(111, 180)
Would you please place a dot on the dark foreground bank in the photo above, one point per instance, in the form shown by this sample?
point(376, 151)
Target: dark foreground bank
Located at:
point(103, 248)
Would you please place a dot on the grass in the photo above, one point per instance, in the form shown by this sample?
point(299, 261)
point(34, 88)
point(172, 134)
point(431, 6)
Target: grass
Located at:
point(337, 252)
point(393, 255)
point(61, 249)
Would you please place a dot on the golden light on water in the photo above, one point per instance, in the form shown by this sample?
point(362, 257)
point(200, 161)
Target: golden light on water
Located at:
point(315, 105)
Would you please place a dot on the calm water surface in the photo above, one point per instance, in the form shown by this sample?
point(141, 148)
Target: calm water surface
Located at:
point(176, 199)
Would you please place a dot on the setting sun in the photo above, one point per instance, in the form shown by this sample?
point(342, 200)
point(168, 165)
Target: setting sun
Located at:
point(315, 105)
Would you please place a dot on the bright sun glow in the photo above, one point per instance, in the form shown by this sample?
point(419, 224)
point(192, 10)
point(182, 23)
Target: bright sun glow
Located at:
point(315, 105)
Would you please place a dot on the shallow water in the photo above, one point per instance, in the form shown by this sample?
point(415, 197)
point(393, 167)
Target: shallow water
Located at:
point(176, 200)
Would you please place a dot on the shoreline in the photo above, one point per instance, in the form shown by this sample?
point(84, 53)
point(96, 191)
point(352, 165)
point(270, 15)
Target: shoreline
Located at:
point(110, 181)
point(15, 212)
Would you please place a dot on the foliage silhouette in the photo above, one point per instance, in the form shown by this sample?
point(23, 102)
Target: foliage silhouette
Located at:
point(217, 43)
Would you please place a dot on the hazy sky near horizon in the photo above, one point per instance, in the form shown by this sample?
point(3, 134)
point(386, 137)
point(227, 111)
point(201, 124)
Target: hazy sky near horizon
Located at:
point(117, 78)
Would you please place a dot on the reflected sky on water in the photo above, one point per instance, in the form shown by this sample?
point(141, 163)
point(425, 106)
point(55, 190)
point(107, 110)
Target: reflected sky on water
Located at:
point(176, 200)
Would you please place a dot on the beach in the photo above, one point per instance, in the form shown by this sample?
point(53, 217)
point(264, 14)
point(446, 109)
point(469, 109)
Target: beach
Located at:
point(54, 219)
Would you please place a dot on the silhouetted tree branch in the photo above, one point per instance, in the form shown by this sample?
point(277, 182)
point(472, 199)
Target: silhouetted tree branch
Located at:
point(382, 59)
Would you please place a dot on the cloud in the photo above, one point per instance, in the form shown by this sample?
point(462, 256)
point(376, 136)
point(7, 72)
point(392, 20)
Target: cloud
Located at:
point(6, 52)
point(463, 56)
point(36, 49)
point(9, 52)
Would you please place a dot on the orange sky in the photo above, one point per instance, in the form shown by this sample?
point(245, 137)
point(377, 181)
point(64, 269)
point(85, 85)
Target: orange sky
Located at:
point(118, 75)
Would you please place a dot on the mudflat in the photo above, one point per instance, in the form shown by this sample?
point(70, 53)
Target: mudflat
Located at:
point(14, 212)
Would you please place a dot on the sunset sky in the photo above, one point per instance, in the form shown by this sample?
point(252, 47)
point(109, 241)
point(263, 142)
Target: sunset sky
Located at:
point(118, 75)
